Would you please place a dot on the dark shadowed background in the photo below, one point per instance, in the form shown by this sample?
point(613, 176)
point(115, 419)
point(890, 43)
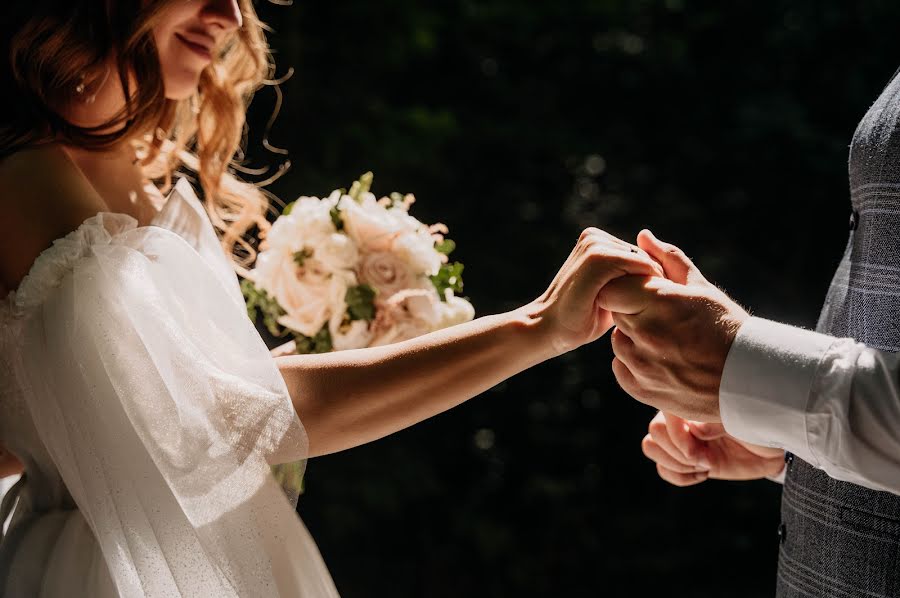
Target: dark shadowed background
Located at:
point(723, 126)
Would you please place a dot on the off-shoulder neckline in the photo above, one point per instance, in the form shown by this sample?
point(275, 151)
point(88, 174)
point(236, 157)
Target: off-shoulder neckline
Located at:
point(181, 191)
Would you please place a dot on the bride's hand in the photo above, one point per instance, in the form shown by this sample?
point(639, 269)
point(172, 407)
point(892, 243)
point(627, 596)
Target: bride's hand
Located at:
point(568, 308)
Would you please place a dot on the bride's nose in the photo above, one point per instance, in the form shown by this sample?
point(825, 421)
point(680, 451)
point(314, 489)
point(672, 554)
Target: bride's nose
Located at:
point(225, 14)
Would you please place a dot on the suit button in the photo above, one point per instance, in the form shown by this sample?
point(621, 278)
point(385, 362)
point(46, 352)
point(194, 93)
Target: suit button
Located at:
point(854, 220)
point(782, 533)
point(788, 459)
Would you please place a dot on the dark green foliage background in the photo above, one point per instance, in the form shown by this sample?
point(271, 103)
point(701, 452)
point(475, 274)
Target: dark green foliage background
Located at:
point(724, 126)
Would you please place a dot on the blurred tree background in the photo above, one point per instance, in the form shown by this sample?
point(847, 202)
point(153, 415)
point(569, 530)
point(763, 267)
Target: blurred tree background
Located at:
point(723, 126)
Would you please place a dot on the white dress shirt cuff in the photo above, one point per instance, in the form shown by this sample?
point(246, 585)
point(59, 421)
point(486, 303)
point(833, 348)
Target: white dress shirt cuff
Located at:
point(766, 384)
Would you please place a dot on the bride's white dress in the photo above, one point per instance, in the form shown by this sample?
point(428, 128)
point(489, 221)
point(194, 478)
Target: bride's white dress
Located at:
point(147, 412)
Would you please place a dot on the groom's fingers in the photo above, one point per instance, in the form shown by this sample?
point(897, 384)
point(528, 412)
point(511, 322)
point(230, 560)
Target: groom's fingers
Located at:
point(599, 266)
point(655, 453)
point(627, 294)
point(707, 430)
point(634, 293)
point(694, 450)
point(625, 378)
point(659, 433)
point(625, 323)
point(677, 265)
point(625, 350)
point(681, 479)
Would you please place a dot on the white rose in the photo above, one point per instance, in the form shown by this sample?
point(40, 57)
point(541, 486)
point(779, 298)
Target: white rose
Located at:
point(417, 249)
point(455, 310)
point(353, 335)
point(308, 222)
point(423, 305)
point(369, 224)
point(335, 252)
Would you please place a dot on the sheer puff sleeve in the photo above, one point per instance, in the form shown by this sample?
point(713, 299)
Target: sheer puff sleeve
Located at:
point(163, 410)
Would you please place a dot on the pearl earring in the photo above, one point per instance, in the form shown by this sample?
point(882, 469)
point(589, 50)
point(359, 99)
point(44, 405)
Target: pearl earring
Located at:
point(79, 89)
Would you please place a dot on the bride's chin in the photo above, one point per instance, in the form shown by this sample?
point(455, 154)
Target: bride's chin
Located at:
point(182, 87)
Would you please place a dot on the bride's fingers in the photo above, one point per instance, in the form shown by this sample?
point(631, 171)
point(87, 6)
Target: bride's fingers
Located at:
point(653, 452)
point(681, 479)
point(660, 435)
point(604, 237)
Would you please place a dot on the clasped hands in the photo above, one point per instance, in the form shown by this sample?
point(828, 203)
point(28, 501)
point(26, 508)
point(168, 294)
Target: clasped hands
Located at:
point(671, 339)
point(672, 331)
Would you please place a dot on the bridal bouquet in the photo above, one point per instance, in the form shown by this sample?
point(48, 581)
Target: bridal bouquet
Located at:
point(350, 271)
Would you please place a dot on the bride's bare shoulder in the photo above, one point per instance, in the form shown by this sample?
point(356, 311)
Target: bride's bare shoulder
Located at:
point(43, 196)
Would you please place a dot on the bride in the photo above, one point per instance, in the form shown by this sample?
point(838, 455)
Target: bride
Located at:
point(137, 398)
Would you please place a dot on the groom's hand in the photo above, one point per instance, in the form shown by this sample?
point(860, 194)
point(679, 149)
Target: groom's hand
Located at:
point(687, 453)
point(672, 334)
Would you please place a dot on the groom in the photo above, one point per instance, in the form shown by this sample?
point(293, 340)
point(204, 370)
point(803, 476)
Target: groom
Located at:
point(753, 385)
point(830, 399)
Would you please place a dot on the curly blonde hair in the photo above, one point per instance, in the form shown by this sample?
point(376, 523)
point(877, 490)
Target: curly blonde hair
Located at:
point(54, 47)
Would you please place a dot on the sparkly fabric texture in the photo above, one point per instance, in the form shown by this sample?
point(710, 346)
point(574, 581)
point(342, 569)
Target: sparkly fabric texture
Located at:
point(147, 411)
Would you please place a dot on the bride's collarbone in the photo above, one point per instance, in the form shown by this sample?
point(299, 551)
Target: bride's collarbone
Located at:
point(122, 186)
point(44, 196)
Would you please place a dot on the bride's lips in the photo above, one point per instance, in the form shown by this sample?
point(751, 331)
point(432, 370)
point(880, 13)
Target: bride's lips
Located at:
point(203, 50)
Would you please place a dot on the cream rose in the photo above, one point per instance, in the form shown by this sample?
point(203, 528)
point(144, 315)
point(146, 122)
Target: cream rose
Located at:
point(386, 272)
point(309, 296)
point(396, 326)
point(408, 314)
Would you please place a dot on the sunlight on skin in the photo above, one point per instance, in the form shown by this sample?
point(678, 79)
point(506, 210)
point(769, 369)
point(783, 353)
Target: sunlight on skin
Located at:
point(186, 36)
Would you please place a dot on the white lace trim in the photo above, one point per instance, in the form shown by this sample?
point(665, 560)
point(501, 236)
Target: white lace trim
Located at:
point(52, 264)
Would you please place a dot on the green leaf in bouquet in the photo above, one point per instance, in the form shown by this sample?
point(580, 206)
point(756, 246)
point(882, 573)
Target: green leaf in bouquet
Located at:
point(361, 302)
point(301, 256)
point(287, 209)
point(448, 277)
point(446, 246)
point(361, 187)
point(320, 343)
point(259, 303)
point(337, 219)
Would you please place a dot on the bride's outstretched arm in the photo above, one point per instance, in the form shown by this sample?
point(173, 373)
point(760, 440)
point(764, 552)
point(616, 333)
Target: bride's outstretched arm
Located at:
point(353, 397)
